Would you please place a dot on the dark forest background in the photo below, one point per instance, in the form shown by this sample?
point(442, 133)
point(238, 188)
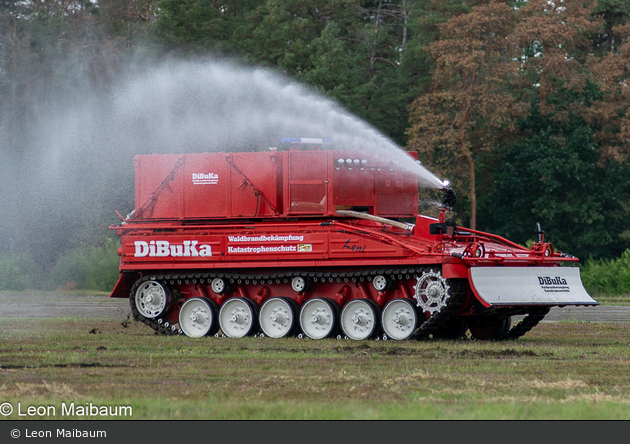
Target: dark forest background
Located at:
point(523, 105)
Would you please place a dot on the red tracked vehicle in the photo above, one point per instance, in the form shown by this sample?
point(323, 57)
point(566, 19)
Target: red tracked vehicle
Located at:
point(310, 242)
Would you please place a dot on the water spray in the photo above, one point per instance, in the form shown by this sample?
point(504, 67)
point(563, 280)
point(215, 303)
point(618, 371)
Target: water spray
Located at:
point(173, 108)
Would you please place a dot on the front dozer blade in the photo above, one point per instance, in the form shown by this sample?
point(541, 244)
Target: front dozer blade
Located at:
point(496, 286)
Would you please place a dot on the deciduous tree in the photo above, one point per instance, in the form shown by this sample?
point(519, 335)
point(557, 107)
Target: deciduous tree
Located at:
point(469, 105)
point(552, 37)
point(610, 115)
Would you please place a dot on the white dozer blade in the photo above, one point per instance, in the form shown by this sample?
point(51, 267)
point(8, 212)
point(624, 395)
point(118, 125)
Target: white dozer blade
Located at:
point(530, 286)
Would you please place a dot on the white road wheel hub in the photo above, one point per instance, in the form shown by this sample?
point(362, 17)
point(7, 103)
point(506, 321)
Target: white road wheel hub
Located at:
point(320, 318)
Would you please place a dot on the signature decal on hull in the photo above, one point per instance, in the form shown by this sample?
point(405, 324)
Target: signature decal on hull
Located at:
point(356, 248)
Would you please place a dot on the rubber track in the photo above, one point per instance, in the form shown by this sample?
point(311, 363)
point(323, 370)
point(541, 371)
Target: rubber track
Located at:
point(458, 290)
point(530, 321)
point(455, 301)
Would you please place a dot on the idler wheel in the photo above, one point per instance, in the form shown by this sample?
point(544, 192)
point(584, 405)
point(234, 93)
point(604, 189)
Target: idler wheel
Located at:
point(151, 299)
point(298, 284)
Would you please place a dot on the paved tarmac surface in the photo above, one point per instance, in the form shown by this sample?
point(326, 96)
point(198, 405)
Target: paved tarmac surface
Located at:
point(82, 306)
point(600, 313)
point(65, 305)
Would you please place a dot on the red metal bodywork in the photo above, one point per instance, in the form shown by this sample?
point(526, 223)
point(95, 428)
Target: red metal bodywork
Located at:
point(234, 210)
point(268, 184)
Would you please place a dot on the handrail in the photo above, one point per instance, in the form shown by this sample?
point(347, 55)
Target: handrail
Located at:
point(359, 215)
point(497, 238)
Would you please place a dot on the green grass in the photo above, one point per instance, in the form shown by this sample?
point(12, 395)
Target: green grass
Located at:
point(556, 371)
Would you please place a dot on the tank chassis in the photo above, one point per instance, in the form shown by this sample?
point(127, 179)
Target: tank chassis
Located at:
point(312, 242)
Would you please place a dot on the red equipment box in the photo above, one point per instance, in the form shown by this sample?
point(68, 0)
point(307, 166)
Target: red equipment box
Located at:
point(252, 185)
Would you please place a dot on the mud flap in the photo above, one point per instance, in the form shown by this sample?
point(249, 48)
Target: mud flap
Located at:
point(529, 286)
point(123, 286)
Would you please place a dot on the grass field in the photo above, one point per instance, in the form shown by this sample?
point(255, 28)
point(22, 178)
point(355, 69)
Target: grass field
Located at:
point(557, 371)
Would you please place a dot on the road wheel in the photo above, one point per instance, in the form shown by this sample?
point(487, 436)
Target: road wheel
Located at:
point(198, 317)
point(319, 318)
point(278, 317)
point(238, 317)
point(400, 319)
point(360, 319)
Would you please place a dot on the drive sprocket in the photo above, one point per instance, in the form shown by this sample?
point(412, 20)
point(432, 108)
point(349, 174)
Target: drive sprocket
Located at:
point(432, 292)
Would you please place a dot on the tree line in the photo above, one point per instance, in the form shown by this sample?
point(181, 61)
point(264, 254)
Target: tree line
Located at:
point(523, 105)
